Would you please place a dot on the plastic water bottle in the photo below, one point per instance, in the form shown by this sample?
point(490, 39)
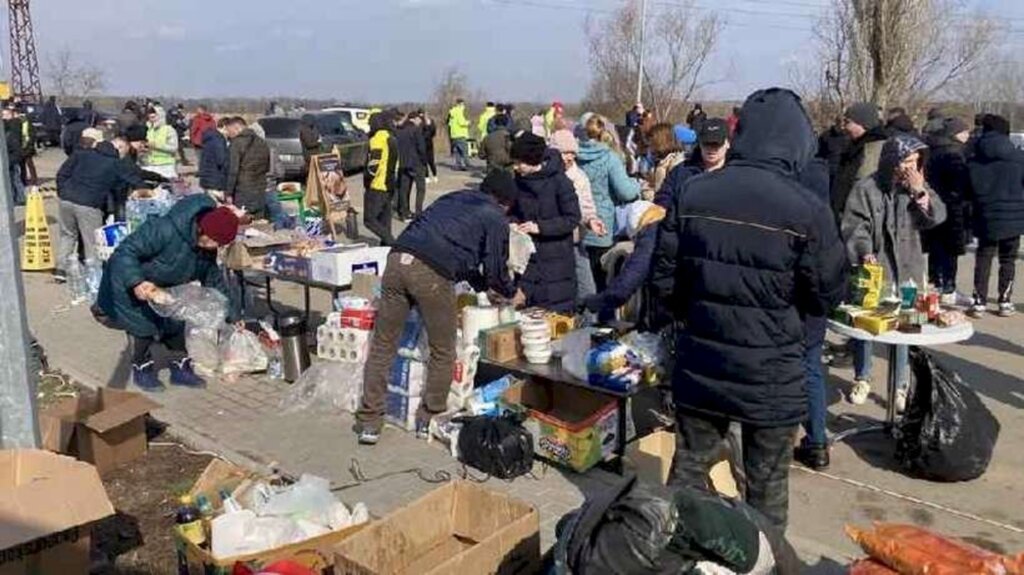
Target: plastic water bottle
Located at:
point(93, 276)
point(77, 288)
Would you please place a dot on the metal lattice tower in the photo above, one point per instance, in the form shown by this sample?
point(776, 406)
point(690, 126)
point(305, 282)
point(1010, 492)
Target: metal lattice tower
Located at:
point(24, 62)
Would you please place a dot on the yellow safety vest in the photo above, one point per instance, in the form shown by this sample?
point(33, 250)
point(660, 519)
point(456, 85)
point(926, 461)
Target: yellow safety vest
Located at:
point(377, 165)
point(159, 157)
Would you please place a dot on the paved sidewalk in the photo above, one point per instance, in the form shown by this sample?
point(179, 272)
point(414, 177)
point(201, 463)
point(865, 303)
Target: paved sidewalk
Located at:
point(245, 422)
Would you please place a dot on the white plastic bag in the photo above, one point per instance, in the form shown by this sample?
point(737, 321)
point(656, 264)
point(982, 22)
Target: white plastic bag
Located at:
point(193, 304)
point(202, 346)
point(242, 352)
point(326, 387)
point(573, 348)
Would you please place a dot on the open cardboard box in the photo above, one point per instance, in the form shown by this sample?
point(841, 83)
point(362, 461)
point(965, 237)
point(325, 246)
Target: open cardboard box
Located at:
point(651, 456)
point(315, 553)
point(570, 425)
point(460, 528)
point(106, 429)
point(47, 503)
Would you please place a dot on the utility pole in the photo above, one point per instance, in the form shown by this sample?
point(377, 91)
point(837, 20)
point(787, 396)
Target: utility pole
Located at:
point(18, 426)
point(640, 71)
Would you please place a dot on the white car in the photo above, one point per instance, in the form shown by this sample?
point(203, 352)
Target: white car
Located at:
point(352, 117)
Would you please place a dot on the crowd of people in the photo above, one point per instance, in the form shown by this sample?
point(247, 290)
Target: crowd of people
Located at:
point(744, 230)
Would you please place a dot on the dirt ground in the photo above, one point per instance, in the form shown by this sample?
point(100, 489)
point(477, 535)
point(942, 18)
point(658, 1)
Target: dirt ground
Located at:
point(139, 538)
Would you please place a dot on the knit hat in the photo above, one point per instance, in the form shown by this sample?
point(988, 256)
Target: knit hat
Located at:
point(220, 225)
point(864, 114)
point(502, 186)
point(529, 149)
point(565, 142)
point(995, 123)
point(135, 133)
point(953, 126)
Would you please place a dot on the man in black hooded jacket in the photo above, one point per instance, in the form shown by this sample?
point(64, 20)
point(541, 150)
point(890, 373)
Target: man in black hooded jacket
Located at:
point(757, 253)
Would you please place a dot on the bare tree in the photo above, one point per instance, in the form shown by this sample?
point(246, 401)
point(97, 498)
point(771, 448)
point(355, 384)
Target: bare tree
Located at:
point(679, 45)
point(899, 51)
point(67, 77)
point(452, 85)
point(996, 86)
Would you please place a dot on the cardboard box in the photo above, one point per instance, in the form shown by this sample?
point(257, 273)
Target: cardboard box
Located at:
point(570, 425)
point(337, 265)
point(458, 529)
point(105, 429)
point(651, 459)
point(876, 324)
point(366, 285)
point(500, 343)
point(48, 503)
point(315, 553)
point(291, 264)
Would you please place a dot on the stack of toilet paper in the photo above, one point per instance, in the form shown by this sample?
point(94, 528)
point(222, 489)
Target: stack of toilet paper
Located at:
point(405, 390)
point(343, 344)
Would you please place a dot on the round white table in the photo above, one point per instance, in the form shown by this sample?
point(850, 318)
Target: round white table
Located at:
point(930, 335)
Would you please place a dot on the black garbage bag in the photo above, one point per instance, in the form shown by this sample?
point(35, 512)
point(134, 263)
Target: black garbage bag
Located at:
point(947, 433)
point(627, 530)
point(499, 446)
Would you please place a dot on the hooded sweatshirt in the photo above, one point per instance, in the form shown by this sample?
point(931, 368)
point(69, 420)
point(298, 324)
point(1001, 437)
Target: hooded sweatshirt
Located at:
point(757, 252)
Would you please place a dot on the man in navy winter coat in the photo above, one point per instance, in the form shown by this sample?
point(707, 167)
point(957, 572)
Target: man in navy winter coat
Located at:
point(756, 254)
point(459, 235)
point(214, 161)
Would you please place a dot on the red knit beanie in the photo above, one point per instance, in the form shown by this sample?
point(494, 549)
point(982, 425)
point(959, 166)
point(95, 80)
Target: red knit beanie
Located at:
point(220, 225)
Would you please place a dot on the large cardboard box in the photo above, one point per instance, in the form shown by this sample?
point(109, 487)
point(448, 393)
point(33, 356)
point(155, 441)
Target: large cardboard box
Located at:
point(458, 529)
point(651, 459)
point(571, 426)
point(47, 503)
point(335, 266)
point(107, 428)
point(315, 553)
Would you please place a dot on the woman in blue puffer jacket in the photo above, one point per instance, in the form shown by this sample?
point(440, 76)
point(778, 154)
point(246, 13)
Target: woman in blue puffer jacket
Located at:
point(610, 185)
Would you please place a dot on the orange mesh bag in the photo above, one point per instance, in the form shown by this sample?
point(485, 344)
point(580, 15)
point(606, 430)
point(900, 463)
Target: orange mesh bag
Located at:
point(912, 550)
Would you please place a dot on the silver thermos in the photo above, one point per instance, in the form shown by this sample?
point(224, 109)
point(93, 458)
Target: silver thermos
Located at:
point(294, 352)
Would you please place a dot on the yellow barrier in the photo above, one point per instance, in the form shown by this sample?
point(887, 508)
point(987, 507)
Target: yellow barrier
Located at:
point(36, 247)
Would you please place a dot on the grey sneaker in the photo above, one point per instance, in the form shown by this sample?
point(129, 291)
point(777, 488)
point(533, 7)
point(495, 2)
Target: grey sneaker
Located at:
point(1006, 309)
point(422, 429)
point(369, 436)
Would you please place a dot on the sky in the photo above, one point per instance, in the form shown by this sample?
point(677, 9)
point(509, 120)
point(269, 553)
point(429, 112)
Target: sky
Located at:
point(395, 50)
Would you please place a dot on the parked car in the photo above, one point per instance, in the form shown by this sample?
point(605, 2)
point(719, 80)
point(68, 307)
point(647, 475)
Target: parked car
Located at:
point(282, 135)
point(351, 116)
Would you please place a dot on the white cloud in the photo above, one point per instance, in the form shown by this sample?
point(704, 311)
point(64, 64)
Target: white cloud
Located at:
point(170, 32)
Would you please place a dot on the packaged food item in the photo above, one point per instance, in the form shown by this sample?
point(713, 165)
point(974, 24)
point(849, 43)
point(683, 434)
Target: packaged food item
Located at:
point(913, 550)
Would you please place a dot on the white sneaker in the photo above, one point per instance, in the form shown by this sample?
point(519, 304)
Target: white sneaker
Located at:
point(859, 393)
point(1006, 309)
point(901, 400)
point(948, 299)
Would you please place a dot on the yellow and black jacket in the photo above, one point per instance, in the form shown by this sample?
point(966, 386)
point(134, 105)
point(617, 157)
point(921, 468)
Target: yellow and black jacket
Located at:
point(382, 161)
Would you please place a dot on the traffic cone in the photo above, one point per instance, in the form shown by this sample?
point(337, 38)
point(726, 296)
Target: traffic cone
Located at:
point(36, 247)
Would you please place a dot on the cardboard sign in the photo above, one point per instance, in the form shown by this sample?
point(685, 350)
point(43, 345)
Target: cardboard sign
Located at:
point(326, 189)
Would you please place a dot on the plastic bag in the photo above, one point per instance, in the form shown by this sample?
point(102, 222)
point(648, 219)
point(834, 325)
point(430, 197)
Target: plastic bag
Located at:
point(870, 567)
point(498, 446)
point(242, 352)
point(193, 304)
point(913, 550)
point(202, 346)
point(573, 349)
point(326, 387)
point(947, 433)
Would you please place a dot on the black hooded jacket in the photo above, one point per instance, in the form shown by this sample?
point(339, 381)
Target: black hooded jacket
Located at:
point(757, 253)
point(948, 175)
point(997, 181)
point(549, 199)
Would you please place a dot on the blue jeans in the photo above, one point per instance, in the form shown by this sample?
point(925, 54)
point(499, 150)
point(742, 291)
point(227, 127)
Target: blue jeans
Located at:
point(275, 213)
point(17, 186)
point(461, 149)
point(817, 404)
point(862, 362)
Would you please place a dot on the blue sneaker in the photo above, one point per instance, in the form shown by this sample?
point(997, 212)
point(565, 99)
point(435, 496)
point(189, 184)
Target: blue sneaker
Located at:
point(144, 377)
point(183, 375)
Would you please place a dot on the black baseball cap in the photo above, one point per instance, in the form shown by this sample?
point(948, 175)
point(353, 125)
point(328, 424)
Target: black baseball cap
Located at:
point(714, 132)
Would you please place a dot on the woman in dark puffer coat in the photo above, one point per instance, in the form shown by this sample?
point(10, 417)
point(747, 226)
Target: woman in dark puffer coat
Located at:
point(549, 211)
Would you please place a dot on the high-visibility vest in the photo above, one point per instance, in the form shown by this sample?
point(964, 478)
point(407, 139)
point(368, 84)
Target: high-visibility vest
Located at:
point(159, 157)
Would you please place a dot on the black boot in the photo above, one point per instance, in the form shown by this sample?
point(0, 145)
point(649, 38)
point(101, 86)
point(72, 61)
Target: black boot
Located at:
point(812, 456)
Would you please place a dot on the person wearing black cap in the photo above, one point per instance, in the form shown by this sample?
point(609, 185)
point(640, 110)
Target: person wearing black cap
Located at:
point(997, 182)
point(947, 174)
point(860, 159)
point(549, 211)
point(463, 236)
